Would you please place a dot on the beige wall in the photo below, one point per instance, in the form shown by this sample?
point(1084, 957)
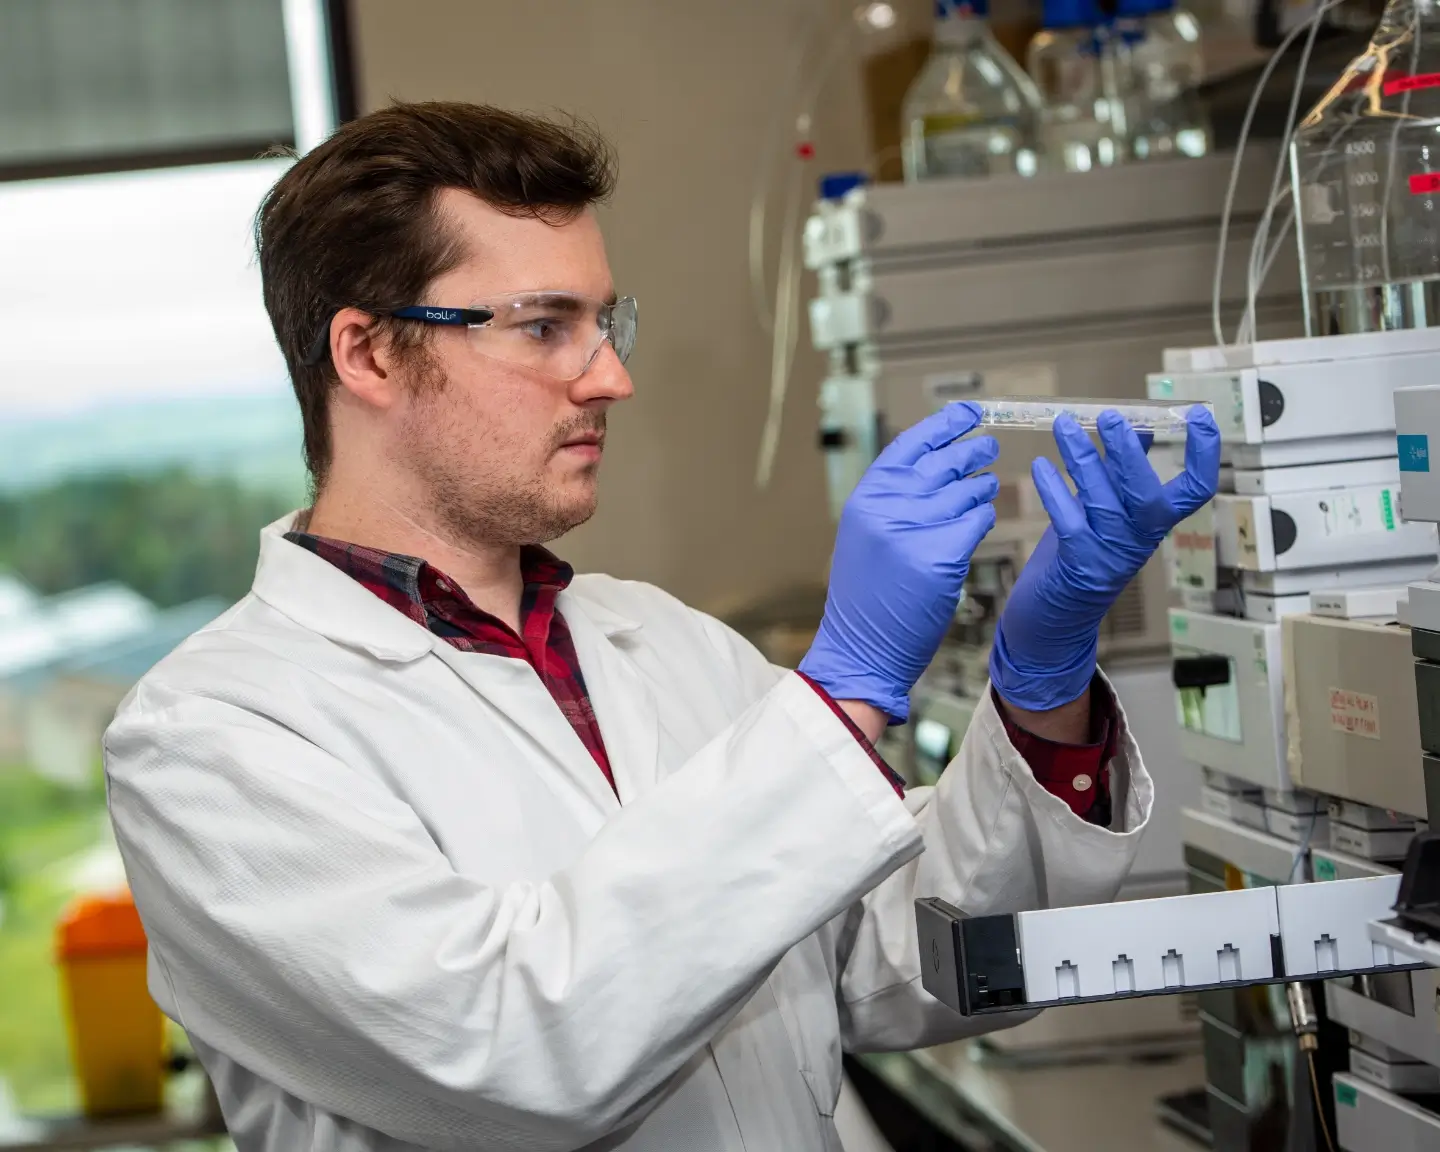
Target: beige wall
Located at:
point(686, 90)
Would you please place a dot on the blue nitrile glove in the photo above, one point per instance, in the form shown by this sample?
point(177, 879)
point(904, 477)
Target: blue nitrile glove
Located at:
point(901, 554)
point(1044, 651)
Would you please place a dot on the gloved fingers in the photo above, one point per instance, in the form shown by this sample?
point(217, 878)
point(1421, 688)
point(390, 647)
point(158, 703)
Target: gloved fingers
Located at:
point(970, 529)
point(1194, 486)
point(1065, 512)
point(960, 496)
point(1135, 481)
point(950, 423)
point(954, 461)
point(1087, 470)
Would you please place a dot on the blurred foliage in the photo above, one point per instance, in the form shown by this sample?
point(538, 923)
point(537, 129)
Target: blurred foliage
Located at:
point(172, 536)
point(46, 828)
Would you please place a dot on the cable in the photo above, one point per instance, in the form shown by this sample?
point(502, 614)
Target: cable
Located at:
point(1394, 152)
point(770, 148)
point(1230, 189)
point(1319, 1104)
point(785, 331)
point(1245, 331)
point(1304, 844)
point(1262, 229)
point(783, 339)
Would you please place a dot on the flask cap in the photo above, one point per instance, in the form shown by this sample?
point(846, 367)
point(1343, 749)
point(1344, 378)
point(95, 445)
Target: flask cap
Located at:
point(961, 9)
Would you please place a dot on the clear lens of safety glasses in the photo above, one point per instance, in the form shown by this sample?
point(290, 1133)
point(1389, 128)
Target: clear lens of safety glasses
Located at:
point(556, 333)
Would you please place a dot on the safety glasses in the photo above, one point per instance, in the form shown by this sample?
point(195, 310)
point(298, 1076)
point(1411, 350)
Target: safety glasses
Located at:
point(557, 333)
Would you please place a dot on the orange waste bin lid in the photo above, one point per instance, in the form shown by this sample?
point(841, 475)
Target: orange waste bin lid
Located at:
point(94, 926)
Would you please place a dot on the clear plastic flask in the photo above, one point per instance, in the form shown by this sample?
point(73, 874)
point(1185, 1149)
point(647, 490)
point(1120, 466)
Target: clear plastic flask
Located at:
point(1365, 170)
point(1165, 418)
point(1082, 120)
point(1161, 66)
point(971, 111)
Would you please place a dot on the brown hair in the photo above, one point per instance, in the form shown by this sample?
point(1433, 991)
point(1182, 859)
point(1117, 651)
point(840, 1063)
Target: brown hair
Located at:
point(352, 223)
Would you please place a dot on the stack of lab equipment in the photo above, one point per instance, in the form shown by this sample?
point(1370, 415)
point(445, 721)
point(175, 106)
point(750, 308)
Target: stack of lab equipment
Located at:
point(1308, 523)
point(1082, 107)
point(1377, 748)
point(971, 111)
point(1313, 548)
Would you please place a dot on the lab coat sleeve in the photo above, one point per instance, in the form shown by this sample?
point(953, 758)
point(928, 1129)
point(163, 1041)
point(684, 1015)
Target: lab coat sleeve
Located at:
point(303, 922)
point(995, 841)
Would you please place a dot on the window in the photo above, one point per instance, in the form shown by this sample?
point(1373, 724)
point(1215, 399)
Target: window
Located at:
point(99, 85)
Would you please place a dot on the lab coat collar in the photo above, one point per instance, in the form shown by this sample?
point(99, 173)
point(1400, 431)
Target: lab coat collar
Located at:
point(317, 595)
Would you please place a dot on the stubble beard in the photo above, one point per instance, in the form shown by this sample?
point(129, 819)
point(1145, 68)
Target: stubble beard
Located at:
point(496, 509)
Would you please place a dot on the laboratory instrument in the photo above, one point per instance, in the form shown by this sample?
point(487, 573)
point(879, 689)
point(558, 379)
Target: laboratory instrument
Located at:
point(971, 111)
point(1160, 67)
point(1082, 109)
point(1323, 527)
point(1366, 179)
point(1354, 727)
point(1040, 412)
point(1303, 401)
point(1417, 425)
point(1054, 956)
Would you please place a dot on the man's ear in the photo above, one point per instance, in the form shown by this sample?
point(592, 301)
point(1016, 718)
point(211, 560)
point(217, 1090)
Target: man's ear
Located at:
point(362, 358)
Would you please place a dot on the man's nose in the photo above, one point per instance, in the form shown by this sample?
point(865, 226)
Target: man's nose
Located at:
point(606, 379)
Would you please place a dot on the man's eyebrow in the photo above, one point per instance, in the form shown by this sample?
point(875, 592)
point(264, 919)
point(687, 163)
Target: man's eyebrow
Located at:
point(559, 302)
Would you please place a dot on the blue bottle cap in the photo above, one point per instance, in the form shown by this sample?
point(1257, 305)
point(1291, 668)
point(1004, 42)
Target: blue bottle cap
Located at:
point(1134, 8)
point(944, 9)
point(834, 185)
point(1072, 14)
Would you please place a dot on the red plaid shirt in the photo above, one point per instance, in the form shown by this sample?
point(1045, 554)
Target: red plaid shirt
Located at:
point(437, 603)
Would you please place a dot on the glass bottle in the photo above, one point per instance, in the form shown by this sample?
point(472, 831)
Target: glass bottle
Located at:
point(1162, 63)
point(1082, 116)
point(1365, 171)
point(971, 111)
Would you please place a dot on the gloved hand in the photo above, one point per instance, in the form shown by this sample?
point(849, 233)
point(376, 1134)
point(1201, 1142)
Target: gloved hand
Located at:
point(1044, 651)
point(901, 554)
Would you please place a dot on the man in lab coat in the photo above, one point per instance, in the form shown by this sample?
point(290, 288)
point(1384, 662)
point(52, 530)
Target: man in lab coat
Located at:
point(439, 847)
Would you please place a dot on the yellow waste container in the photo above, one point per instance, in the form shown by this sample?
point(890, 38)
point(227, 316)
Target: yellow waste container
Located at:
point(117, 1034)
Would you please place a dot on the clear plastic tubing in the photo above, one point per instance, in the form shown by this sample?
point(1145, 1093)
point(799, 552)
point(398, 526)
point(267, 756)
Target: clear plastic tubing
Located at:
point(1162, 418)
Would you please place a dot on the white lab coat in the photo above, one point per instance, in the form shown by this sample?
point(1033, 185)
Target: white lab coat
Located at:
point(395, 904)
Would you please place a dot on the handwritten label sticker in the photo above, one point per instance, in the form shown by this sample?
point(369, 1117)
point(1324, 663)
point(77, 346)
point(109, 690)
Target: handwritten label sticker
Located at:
point(1355, 713)
point(1192, 552)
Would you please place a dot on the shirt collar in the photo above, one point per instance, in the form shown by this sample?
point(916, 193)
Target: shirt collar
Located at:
point(417, 578)
point(318, 596)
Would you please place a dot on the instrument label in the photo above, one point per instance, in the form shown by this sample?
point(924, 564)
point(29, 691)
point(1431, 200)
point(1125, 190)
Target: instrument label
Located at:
point(1355, 713)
